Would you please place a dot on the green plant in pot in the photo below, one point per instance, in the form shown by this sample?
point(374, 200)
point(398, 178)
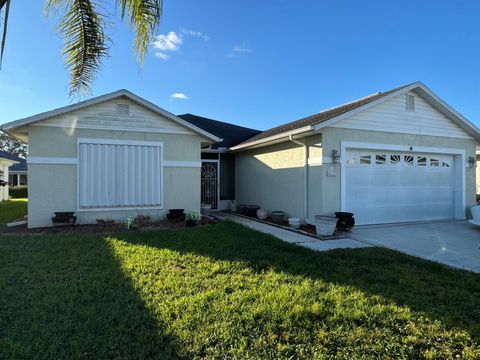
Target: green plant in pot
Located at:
point(193, 218)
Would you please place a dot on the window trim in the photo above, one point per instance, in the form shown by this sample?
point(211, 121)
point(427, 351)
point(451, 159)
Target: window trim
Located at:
point(100, 141)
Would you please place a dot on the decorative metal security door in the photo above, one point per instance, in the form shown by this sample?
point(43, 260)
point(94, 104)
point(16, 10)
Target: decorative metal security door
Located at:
point(210, 183)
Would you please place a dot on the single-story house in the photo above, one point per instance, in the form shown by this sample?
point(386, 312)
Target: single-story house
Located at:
point(6, 160)
point(18, 173)
point(395, 156)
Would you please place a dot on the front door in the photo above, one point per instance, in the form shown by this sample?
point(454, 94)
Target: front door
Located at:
point(209, 183)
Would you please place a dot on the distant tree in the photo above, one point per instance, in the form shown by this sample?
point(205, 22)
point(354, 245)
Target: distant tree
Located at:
point(12, 145)
point(83, 26)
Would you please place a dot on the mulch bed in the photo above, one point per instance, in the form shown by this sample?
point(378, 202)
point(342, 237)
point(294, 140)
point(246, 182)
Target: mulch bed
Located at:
point(99, 229)
point(305, 229)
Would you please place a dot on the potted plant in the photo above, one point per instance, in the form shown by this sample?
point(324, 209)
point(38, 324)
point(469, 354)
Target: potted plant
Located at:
point(176, 215)
point(193, 219)
point(277, 216)
point(325, 225)
point(346, 221)
point(262, 214)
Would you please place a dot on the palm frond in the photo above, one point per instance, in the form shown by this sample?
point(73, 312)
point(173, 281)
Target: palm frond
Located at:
point(85, 42)
point(144, 21)
point(6, 4)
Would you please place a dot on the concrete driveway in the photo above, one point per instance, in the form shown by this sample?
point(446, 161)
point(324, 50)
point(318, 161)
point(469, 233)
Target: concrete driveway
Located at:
point(454, 243)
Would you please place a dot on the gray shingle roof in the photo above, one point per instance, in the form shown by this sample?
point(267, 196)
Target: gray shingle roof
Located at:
point(22, 163)
point(230, 133)
point(322, 116)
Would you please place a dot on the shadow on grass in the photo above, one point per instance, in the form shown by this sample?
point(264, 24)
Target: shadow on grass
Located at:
point(451, 296)
point(66, 298)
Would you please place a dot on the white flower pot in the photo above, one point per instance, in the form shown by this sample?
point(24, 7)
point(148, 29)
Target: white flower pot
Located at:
point(476, 213)
point(262, 214)
point(325, 225)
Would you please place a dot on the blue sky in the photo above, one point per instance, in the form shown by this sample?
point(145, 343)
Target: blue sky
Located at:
point(260, 63)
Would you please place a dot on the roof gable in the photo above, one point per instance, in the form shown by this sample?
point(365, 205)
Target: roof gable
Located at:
point(331, 116)
point(105, 102)
point(392, 116)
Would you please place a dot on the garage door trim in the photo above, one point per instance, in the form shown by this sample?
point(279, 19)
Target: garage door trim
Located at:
point(459, 168)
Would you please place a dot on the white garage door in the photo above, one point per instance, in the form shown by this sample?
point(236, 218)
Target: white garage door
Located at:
point(386, 187)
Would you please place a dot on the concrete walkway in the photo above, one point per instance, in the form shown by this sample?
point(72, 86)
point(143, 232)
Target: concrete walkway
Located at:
point(292, 237)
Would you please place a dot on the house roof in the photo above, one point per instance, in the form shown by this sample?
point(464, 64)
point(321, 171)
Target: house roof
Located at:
point(230, 133)
point(8, 127)
point(329, 116)
point(9, 156)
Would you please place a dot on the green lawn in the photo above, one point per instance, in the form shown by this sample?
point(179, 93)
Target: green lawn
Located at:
point(224, 291)
point(12, 209)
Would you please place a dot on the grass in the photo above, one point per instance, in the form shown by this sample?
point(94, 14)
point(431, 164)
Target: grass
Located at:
point(224, 291)
point(12, 209)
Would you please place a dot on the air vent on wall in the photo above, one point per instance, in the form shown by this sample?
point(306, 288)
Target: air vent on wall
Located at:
point(123, 109)
point(410, 102)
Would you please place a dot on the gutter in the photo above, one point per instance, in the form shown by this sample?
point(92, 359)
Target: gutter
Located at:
point(305, 176)
point(271, 138)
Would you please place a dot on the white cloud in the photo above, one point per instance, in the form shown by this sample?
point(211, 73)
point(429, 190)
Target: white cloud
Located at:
point(180, 96)
point(237, 50)
point(193, 33)
point(162, 56)
point(241, 49)
point(171, 42)
point(167, 43)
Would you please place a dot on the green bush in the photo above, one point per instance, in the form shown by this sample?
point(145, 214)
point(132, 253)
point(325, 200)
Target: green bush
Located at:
point(17, 192)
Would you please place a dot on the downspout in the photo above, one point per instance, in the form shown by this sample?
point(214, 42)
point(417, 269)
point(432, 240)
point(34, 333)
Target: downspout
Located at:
point(305, 176)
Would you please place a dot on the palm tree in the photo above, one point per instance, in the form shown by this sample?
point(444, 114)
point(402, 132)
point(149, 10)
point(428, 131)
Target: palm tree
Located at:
point(83, 26)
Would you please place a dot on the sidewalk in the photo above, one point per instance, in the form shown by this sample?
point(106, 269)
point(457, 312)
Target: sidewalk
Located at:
point(292, 237)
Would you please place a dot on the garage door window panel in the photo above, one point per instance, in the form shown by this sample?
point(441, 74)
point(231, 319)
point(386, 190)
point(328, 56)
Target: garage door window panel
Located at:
point(365, 159)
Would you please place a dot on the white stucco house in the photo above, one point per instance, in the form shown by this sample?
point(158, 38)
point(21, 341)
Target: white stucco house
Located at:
point(6, 160)
point(395, 156)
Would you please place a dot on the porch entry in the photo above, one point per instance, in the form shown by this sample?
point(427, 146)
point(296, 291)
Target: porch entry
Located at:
point(210, 183)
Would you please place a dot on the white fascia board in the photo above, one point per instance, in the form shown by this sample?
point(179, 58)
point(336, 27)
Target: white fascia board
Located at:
point(275, 138)
point(102, 98)
point(441, 105)
point(8, 161)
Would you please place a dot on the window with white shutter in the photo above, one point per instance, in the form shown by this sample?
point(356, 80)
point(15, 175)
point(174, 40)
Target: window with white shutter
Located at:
point(119, 174)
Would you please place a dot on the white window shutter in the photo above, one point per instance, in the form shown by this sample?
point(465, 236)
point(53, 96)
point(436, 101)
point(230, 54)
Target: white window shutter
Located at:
point(115, 175)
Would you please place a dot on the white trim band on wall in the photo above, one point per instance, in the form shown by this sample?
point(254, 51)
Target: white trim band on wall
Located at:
point(173, 163)
point(51, 160)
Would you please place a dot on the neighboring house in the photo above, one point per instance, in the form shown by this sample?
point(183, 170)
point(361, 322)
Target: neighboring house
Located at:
point(6, 160)
point(396, 156)
point(18, 173)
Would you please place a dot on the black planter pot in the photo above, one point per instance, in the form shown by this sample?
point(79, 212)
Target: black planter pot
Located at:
point(176, 215)
point(242, 209)
point(345, 222)
point(252, 210)
point(64, 218)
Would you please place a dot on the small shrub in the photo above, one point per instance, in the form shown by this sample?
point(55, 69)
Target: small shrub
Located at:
point(17, 192)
